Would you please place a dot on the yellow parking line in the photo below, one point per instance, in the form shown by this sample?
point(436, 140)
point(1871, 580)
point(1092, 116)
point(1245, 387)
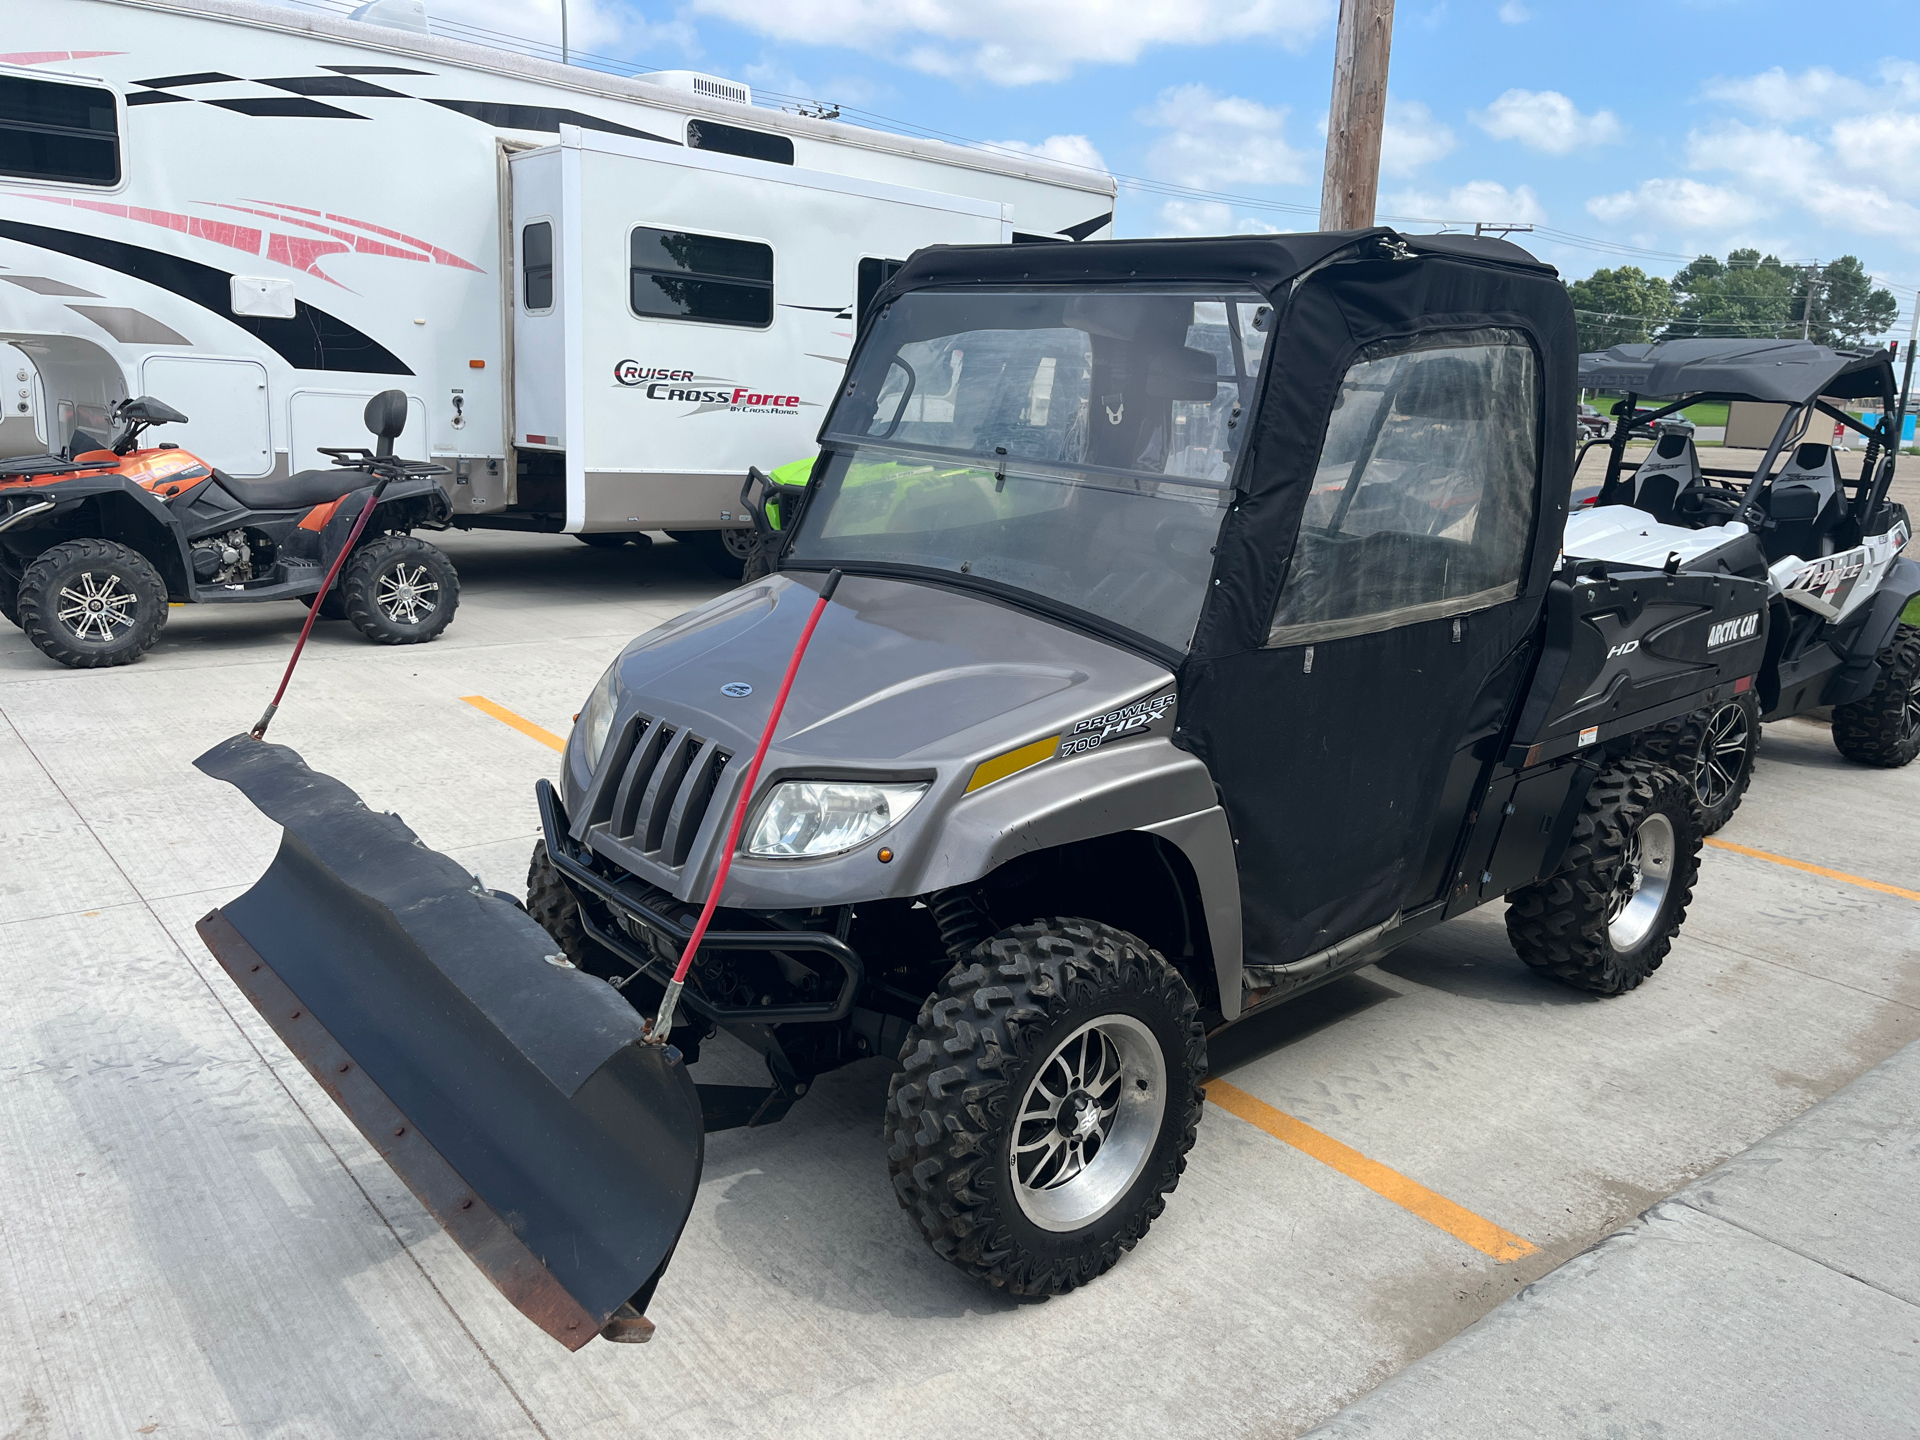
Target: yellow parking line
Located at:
point(507, 717)
point(1409, 1195)
point(1861, 881)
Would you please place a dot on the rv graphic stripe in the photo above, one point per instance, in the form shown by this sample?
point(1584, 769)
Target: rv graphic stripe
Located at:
point(538, 117)
point(311, 340)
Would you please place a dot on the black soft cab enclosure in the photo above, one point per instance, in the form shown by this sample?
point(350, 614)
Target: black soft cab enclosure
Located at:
point(1183, 624)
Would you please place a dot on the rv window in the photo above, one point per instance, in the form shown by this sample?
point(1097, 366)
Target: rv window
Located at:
point(1422, 505)
point(732, 140)
point(873, 274)
point(677, 276)
point(58, 132)
point(536, 265)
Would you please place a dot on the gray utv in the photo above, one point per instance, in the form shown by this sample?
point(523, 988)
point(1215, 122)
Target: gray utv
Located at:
point(1202, 635)
point(1826, 545)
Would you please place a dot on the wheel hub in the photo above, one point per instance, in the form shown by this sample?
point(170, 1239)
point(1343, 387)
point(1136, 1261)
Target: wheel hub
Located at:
point(406, 593)
point(1723, 749)
point(94, 606)
point(1641, 884)
point(1088, 1122)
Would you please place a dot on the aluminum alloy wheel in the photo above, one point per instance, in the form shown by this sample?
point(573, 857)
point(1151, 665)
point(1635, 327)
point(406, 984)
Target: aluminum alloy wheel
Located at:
point(1640, 889)
point(1910, 716)
point(96, 606)
point(407, 594)
point(1722, 753)
point(1088, 1123)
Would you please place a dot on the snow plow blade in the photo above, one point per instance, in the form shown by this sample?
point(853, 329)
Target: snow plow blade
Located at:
point(514, 1096)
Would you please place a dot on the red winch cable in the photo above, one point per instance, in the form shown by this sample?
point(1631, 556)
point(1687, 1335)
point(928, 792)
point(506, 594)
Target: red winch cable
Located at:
point(259, 731)
point(663, 1022)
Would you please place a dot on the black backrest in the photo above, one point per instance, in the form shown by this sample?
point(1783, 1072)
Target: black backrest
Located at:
point(386, 417)
point(1804, 502)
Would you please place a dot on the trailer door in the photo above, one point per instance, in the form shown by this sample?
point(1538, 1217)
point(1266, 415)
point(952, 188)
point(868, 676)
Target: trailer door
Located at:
point(539, 325)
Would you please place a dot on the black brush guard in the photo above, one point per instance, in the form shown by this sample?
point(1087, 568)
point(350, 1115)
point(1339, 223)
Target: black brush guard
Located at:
point(516, 1097)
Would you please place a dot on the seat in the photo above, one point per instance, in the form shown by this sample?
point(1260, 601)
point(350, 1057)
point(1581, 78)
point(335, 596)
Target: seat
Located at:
point(1804, 503)
point(1673, 467)
point(297, 492)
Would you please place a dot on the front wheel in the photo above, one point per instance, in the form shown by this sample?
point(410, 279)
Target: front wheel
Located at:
point(1607, 918)
point(1049, 1095)
point(89, 603)
point(400, 591)
point(1883, 730)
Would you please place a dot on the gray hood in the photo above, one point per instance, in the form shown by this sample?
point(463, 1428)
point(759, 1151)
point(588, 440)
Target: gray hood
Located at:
point(901, 681)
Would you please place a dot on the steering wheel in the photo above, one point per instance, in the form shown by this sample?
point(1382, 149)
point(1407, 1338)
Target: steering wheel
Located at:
point(1704, 506)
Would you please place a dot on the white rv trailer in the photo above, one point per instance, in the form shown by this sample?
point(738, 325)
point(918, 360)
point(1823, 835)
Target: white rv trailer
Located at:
point(604, 298)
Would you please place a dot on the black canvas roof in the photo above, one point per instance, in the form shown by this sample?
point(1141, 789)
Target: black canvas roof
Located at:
point(1786, 371)
point(1264, 261)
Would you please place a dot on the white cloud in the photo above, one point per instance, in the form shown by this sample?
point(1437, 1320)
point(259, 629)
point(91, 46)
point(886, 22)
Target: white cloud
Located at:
point(1677, 203)
point(1514, 13)
point(1476, 200)
point(1208, 217)
point(1017, 42)
point(1546, 120)
point(1067, 149)
point(1801, 171)
point(1885, 146)
point(1218, 142)
point(1821, 90)
point(1410, 139)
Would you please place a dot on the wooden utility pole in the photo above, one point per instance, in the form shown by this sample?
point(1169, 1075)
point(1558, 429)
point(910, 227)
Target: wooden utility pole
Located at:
point(1360, 50)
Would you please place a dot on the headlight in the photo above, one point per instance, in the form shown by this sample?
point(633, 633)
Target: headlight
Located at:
point(825, 817)
point(596, 718)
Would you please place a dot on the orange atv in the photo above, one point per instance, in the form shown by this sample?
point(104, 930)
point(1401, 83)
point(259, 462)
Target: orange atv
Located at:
point(94, 543)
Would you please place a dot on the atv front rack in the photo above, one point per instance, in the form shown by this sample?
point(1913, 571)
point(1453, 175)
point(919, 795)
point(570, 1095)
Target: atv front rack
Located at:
point(641, 903)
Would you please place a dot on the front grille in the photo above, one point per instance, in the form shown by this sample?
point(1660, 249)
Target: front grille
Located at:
point(666, 787)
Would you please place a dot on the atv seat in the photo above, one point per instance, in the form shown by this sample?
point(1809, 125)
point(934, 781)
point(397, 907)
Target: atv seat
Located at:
point(1804, 504)
point(1673, 467)
point(296, 492)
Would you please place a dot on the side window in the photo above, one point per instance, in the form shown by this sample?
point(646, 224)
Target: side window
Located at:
point(536, 266)
point(872, 275)
point(1423, 502)
point(50, 131)
point(732, 140)
point(677, 276)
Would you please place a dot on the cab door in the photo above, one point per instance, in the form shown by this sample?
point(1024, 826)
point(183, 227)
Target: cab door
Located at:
point(1349, 746)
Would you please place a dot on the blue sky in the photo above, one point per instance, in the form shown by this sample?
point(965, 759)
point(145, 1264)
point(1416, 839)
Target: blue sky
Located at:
point(1681, 127)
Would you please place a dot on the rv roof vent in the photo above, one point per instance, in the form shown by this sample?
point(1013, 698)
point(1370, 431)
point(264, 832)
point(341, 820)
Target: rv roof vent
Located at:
point(711, 87)
point(395, 15)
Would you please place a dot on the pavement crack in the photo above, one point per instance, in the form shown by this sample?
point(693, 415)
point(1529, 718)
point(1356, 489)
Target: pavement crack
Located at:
point(1779, 1244)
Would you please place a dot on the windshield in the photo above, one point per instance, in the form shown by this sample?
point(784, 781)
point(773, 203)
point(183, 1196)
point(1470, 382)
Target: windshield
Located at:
point(1078, 446)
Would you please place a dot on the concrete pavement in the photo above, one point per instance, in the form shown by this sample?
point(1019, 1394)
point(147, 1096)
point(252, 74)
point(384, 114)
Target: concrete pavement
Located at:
point(193, 1239)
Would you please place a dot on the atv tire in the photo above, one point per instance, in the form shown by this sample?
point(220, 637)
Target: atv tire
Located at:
point(1005, 1178)
point(1606, 920)
point(92, 603)
point(9, 594)
point(552, 904)
point(1715, 745)
point(400, 591)
point(1883, 730)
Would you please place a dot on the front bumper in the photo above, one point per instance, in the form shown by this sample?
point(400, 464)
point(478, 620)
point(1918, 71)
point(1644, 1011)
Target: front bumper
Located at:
point(646, 906)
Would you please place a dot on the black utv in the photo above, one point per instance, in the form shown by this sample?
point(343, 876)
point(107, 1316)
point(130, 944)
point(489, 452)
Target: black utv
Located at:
point(1201, 635)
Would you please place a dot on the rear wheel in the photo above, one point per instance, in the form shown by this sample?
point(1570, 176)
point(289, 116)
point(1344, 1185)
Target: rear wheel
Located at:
point(1607, 919)
point(90, 603)
point(9, 593)
point(400, 591)
point(1883, 730)
point(725, 551)
point(1715, 746)
point(1049, 1095)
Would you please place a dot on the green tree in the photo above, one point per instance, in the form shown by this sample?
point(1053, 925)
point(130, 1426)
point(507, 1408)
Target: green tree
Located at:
point(1620, 307)
point(1749, 295)
point(1847, 310)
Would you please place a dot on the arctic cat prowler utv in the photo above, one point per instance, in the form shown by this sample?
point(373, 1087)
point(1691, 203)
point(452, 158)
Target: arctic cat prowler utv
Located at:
point(95, 543)
point(1199, 635)
point(1828, 547)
